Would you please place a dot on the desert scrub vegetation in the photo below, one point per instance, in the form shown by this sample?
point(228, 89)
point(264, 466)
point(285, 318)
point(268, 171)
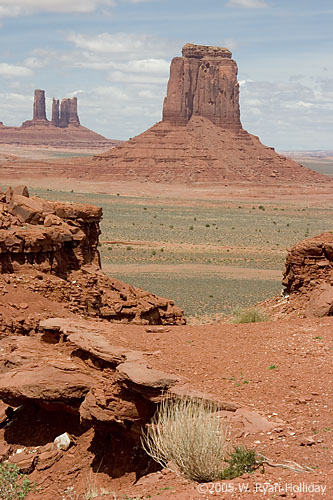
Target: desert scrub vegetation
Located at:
point(13, 484)
point(188, 434)
point(250, 315)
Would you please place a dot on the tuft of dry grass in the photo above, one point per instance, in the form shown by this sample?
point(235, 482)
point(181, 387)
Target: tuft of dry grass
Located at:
point(188, 434)
point(250, 315)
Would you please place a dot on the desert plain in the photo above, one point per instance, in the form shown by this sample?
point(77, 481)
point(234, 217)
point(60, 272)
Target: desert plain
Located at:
point(86, 351)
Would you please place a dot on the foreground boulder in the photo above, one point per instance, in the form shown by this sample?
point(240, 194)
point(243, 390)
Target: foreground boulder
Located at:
point(307, 280)
point(49, 250)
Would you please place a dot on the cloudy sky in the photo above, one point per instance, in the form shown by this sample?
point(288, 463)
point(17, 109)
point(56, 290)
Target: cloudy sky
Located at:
point(114, 55)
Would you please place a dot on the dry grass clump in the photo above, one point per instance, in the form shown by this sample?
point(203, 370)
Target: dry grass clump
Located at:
point(250, 315)
point(188, 434)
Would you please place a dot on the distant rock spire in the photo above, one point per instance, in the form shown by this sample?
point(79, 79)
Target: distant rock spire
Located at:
point(39, 111)
point(55, 112)
point(68, 113)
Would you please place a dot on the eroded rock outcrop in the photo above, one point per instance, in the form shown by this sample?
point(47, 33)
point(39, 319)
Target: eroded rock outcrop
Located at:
point(307, 280)
point(50, 250)
point(203, 82)
point(100, 382)
point(63, 116)
point(68, 113)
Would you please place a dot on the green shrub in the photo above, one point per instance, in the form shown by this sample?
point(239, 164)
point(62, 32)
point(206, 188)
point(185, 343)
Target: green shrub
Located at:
point(13, 484)
point(250, 315)
point(189, 434)
point(241, 461)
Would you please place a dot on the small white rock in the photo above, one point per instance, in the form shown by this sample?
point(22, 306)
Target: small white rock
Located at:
point(63, 441)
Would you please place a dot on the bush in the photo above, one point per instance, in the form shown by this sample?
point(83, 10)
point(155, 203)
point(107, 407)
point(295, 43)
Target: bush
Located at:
point(13, 484)
point(189, 434)
point(241, 461)
point(250, 315)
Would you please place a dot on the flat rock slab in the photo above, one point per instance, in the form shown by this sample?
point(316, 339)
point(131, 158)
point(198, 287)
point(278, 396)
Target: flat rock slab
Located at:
point(47, 383)
point(253, 422)
point(141, 375)
point(99, 347)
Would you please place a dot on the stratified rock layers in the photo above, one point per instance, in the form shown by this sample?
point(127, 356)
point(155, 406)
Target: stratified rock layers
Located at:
point(203, 83)
point(200, 139)
point(55, 246)
point(308, 280)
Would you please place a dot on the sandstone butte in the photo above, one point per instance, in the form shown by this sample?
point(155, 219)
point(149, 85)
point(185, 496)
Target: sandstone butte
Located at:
point(200, 138)
point(63, 131)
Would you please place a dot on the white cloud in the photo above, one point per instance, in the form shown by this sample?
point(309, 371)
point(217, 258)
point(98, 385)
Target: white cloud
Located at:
point(13, 71)
point(283, 109)
point(247, 4)
point(35, 63)
point(19, 7)
point(11, 101)
point(230, 43)
point(136, 46)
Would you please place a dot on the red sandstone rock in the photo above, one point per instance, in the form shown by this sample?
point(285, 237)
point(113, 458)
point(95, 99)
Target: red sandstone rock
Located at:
point(68, 113)
point(308, 280)
point(200, 139)
point(55, 112)
point(60, 240)
point(39, 105)
point(203, 83)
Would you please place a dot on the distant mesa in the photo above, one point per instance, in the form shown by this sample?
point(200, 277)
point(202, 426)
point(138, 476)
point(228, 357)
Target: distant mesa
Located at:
point(63, 131)
point(200, 138)
point(63, 116)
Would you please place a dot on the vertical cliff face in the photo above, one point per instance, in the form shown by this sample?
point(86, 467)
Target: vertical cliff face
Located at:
point(55, 112)
point(68, 113)
point(73, 116)
point(39, 110)
point(203, 82)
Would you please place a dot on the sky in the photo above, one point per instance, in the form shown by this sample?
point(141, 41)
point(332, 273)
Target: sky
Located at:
point(114, 55)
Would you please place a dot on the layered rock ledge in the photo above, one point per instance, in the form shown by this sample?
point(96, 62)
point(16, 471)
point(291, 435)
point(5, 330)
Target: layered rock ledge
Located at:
point(50, 250)
point(307, 280)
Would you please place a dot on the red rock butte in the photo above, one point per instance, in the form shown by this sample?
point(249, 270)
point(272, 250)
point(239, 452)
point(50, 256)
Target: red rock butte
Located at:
point(64, 129)
point(200, 138)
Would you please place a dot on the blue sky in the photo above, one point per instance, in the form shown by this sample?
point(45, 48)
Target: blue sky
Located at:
point(114, 55)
